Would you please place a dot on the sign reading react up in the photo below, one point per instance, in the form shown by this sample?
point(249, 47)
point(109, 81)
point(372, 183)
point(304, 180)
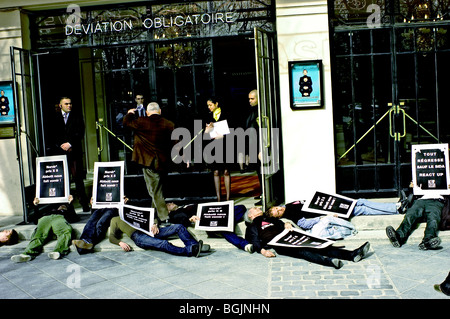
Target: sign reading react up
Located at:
point(52, 182)
point(430, 169)
point(108, 184)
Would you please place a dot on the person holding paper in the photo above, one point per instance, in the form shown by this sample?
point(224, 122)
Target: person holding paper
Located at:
point(218, 160)
point(263, 229)
point(55, 221)
point(152, 147)
point(158, 241)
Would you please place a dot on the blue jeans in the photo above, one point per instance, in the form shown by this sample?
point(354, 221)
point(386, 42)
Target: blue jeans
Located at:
point(333, 228)
point(231, 237)
point(366, 207)
point(97, 226)
point(159, 242)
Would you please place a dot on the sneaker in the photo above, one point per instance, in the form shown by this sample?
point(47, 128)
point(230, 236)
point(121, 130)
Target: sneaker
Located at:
point(361, 252)
point(432, 243)
point(197, 249)
point(20, 258)
point(337, 263)
point(82, 244)
point(249, 248)
point(54, 255)
point(205, 248)
point(393, 237)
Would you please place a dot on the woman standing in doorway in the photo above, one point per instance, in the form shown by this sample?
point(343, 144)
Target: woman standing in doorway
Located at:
point(216, 148)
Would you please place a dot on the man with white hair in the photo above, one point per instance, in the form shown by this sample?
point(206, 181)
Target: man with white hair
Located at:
point(151, 150)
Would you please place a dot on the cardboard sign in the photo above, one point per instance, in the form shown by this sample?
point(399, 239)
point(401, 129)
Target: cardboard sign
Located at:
point(52, 179)
point(297, 238)
point(322, 203)
point(140, 218)
point(218, 216)
point(430, 169)
point(108, 186)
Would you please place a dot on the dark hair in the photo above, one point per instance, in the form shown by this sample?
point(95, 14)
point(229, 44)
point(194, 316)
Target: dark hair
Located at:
point(13, 239)
point(214, 99)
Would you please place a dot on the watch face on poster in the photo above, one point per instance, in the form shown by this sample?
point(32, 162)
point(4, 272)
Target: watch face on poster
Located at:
point(52, 179)
point(430, 169)
point(305, 84)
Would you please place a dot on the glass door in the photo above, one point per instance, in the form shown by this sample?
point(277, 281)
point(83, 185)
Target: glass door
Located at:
point(269, 121)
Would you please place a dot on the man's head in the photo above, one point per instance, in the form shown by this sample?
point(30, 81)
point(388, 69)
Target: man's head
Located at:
point(253, 98)
point(171, 207)
point(8, 237)
point(65, 104)
point(276, 211)
point(252, 213)
point(139, 99)
point(153, 108)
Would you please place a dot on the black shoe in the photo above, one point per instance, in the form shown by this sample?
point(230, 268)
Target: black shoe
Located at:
point(432, 243)
point(361, 252)
point(86, 208)
point(337, 263)
point(405, 203)
point(393, 237)
point(258, 203)
point(258, 197)
point(205, 248)
point(197, 249)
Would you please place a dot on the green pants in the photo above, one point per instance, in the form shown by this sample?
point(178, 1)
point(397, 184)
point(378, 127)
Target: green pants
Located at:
point(48, 225)
point(154, 188)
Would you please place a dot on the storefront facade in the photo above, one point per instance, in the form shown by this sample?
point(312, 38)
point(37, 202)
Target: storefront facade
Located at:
point(390, 63)
point(104, 53)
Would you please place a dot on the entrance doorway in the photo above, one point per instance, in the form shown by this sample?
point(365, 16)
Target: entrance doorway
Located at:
point(179, 75)
point(388, 94)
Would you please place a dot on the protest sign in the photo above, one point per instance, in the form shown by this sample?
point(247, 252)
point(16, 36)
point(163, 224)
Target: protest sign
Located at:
point(108, 184)
point(218, 216)
point(140, 218)
point(430, 169)
point(322, 203)
point(297, 238)
point(52, 182)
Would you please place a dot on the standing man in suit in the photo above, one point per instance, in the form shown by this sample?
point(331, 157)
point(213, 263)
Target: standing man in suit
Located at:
point(67, 135)
point(151, 150)
point(140, 105)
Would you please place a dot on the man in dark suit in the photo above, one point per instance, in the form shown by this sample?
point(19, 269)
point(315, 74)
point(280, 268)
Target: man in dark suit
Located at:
point(67, 134)
point(152, 147)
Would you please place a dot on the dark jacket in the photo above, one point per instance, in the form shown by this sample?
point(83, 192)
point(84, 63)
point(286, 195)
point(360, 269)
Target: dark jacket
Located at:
point(152, 140)
point(262, 230)
point(72, 132)
point(445, 215)
point(294, 212)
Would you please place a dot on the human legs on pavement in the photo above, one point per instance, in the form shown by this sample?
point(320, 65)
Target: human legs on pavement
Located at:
point(231, 237)
point(366, 207)
point(95, 229)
